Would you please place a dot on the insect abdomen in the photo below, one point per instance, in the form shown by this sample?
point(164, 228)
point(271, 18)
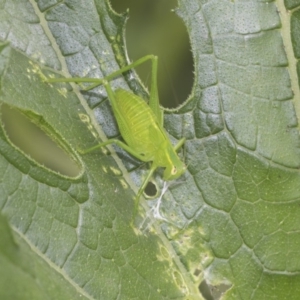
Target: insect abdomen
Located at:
point(136, 119)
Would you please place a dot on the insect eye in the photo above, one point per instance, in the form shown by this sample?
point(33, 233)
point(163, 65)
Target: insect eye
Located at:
point(174, 171)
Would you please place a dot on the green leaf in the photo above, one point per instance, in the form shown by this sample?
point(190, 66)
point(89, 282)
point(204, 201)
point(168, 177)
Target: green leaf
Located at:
point(232, 220)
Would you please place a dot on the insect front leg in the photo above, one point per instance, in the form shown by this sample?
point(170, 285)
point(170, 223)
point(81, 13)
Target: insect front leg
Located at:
point(129, 67)
point(142, 188)
point(99, 81)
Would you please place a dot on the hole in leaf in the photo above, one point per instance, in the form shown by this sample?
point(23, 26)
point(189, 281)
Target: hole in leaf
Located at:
point(197, 272)
point(150, 190)
point(154, 29)
point(210, 292)
point(34, 142)
point(205, 291)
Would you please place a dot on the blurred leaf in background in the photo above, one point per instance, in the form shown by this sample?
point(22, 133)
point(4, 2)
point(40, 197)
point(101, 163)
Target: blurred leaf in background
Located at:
point(154, 28)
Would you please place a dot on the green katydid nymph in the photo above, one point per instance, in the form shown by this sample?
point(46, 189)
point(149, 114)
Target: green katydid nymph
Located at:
point(140, 124)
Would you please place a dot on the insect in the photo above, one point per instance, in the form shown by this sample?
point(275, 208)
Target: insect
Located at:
point(140, 124)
